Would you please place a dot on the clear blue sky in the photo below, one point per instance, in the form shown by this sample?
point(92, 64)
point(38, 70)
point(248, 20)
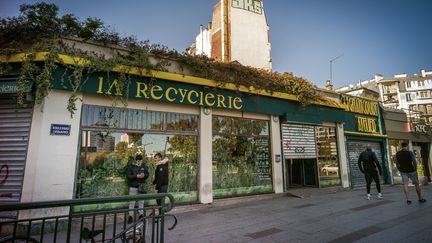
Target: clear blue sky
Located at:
point(375, 36)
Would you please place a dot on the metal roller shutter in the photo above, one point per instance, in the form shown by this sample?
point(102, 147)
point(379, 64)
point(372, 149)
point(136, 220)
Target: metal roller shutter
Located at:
point(298, 141)
point(15, 123)
point(354, 149)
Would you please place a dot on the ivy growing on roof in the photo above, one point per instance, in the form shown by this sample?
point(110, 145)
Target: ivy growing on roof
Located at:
point(39, 28)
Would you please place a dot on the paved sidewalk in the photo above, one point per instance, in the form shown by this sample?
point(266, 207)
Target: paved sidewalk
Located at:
point(329, 215)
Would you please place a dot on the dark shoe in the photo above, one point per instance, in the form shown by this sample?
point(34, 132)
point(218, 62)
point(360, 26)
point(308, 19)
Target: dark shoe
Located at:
point(422, 200)
point(130, 220)
point(409, 202)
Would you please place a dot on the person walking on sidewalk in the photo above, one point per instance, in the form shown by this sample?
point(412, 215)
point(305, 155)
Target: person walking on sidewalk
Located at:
point(137, 174)
point(369, 164)
point(407, 166)
point(161, 176)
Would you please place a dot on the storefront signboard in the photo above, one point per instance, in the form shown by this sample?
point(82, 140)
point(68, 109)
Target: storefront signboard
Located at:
point(175, 92)
point(362, 115)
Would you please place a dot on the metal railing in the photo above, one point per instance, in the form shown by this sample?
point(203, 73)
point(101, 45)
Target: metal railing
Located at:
point(89, 220)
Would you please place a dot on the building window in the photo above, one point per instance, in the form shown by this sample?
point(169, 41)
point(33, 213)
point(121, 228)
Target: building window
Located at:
point(421, 108)
point(420, 83)
point(241, 157)
point(111, 137)
point(328, 160)
point(429, 109)
point(408, 97)
point(387, 89)
point(423, 94)
point(408, 84)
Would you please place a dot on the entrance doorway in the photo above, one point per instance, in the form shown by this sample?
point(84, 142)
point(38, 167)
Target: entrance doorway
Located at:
point(301, 173)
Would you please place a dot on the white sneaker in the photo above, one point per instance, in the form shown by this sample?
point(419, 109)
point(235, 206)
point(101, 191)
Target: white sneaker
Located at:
point(380, 196)
point(368, 197)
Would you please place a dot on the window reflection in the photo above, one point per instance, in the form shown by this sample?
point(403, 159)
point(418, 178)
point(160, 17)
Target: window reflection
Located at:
point(105, 153)
point(328, 160)
point(241, 157)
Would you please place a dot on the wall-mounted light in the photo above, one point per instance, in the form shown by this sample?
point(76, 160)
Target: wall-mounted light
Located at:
point(207, 111)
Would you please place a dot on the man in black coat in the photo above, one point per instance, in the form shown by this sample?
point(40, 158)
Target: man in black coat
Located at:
point(369, 166)
point(137, 173)
point(407, 165)
point(161, 176)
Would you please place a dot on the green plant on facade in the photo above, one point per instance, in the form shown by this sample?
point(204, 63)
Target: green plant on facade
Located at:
point(39, 28)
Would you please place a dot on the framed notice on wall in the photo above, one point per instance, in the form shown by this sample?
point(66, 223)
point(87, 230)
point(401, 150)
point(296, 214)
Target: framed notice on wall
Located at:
point(60, 129)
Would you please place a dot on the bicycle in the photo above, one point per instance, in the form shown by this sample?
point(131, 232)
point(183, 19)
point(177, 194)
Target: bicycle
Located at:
point(133, 232)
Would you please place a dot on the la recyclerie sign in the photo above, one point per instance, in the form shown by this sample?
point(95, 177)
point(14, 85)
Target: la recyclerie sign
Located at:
point(151, 89)
point(366, 123)
point(145, 90)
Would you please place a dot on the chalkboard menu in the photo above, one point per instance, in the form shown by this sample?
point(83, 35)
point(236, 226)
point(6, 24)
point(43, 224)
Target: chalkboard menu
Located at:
point(263, 158)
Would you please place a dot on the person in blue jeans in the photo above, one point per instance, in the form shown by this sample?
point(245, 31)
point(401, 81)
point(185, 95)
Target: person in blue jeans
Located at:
point(407, 165)
point(136, 174)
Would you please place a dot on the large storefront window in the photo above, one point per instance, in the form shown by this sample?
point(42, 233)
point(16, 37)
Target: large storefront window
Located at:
point(111, 138)
point(328, 161)
point(241, 157)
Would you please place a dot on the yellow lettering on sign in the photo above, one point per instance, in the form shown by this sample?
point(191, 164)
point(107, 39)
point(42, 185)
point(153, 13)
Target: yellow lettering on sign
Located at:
point(190, 96)
point(117, 87)
point(141, 90)
point(100, 86)
point(209, 97)
point(167, 94)
point(230, 102)
point(357, 105)
point(183, 93)
point(221, 101)
point(154, 89)
point(365, 124)
point(237, 103)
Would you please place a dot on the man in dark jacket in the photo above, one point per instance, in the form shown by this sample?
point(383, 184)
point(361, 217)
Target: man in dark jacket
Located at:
point(161, 175)
point(407, 165)
point(136, 173)
point(368, 164)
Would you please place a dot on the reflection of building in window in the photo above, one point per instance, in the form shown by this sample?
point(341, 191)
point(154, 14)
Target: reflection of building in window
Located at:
point(241, 156)
point(106, 150)
point(328, 161)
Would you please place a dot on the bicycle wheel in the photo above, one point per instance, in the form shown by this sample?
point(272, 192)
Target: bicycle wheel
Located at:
point(19, 239)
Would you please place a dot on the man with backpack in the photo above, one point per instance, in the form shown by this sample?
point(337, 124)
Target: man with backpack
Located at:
point(407, 166)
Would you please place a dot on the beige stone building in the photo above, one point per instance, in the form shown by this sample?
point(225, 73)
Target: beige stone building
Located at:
point(238, 32)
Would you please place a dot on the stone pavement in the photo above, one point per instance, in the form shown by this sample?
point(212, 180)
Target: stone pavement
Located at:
point(317, 215)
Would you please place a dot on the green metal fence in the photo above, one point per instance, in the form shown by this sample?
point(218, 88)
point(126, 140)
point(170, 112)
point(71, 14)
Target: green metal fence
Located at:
point(107, 221)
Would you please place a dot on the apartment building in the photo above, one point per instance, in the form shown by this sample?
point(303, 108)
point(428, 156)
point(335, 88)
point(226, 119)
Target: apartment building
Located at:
point(413, 94)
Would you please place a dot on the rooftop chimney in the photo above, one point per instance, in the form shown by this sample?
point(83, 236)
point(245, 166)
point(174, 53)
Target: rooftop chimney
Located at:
point(329, 85)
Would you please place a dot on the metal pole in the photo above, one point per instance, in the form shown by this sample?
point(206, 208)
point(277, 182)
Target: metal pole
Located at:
point(331, 66)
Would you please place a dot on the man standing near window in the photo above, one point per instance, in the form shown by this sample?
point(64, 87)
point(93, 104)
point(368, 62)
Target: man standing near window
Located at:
point(407, 165)
point(368, 165)
point(161, 176)
point(136, 173)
